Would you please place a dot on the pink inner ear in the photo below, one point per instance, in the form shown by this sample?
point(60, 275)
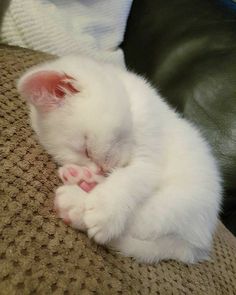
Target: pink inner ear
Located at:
point(46, 89)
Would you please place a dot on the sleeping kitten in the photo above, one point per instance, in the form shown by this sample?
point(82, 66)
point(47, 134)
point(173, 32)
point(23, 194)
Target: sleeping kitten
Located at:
point(162, 196)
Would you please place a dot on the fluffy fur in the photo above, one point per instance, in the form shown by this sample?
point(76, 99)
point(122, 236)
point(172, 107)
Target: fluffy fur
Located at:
point(162, 196)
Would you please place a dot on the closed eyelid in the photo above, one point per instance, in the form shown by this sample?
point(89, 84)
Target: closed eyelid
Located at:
point(87, 152)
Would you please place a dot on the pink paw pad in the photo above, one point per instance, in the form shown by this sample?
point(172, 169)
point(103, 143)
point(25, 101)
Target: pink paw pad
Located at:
point(82, 176)
point(70, 174)
point(87, 187)
point(73, 172)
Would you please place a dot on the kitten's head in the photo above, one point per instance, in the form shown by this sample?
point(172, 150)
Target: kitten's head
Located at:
point(80, 111)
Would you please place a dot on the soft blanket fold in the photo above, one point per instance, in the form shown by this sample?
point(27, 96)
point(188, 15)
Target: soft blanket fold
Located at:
point(68, 27)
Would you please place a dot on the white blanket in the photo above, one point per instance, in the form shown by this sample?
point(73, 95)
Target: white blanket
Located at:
point(61, 27)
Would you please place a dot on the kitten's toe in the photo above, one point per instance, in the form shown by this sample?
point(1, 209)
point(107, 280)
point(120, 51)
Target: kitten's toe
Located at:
point(91, 176)
point(69, 205)
point(71, 174)
point(100, 218)
point(66, 219)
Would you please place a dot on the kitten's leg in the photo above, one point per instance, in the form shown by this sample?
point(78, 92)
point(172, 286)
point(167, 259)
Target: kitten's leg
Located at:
point(69, 204)
point(184, 205)
point(175, 223)
point(111, 202)
point(164, 248)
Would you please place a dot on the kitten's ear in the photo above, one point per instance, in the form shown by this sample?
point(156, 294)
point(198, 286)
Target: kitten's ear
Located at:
point(46, 89)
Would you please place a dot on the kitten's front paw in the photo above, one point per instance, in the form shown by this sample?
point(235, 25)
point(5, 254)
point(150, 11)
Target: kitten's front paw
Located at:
point(73, 174)
point(84, 177)
point(102, 218)
point(69, 204)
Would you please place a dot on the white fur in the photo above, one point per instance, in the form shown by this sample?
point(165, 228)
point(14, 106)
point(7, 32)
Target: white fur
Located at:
point(162, 197)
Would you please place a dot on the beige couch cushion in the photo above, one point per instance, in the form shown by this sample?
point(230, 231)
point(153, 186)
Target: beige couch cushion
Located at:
point(39, 254)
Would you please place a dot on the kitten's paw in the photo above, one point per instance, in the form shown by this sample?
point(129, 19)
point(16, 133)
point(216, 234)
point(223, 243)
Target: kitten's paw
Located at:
point(71, 174)
point(69, 203)
point(86, 178)
point(101, 219)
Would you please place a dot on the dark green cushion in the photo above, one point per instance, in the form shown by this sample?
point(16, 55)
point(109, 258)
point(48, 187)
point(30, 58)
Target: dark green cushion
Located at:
point(188, 50)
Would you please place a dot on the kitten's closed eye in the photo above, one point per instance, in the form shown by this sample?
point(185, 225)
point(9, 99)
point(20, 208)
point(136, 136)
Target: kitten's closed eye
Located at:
point(87, 152)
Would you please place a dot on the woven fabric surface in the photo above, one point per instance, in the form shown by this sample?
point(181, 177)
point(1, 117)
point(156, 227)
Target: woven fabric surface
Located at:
point(67, 26)
point(39, 254)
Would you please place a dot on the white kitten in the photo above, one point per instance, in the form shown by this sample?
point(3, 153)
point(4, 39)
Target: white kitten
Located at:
point(162, 197)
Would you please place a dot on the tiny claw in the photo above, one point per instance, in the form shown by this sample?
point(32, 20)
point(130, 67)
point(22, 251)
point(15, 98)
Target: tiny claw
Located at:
point(65, 178)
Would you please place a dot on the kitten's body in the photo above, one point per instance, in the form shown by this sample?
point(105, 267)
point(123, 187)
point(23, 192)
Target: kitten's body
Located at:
point(162, 197)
